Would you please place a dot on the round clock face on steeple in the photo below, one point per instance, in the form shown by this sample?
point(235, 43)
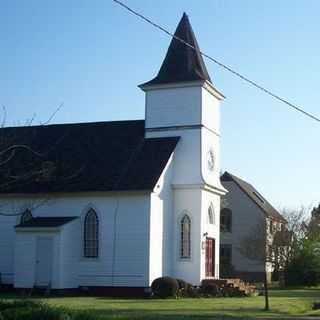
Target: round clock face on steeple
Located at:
point(210, 159)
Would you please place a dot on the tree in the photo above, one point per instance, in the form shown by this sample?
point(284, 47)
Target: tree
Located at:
point(13, 152)
point(304, 266)
point(254, 246)
point(313, 226)
point(274, 249)
point(286, 241)
point(293, 249)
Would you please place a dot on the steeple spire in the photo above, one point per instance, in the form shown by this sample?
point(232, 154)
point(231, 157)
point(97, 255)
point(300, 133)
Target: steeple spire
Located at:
point(182, 63)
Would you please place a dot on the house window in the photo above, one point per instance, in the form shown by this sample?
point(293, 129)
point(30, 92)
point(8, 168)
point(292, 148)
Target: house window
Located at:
point(211, 214)
point(26, 216)
point(226, 254)
point(91, 235)
point(226, 220)
point(185, 240)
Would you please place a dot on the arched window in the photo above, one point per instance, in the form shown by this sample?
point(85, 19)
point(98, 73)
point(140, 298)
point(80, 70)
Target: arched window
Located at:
point(185, 240)
point(26, 216)
point(91, 235)
point(211, 217)
point(226, 220)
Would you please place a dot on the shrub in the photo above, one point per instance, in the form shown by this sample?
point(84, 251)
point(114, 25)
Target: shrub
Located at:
point(210, 289)
point(165, 287)
point(303, 270)
point(194, 292)
point(26, 304)
point(29, 310)
point(185, 288)
point(182, 284)
point(84, 316)
point(316, 305)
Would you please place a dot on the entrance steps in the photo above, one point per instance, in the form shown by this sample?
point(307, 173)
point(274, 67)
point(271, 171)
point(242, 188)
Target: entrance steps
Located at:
point(232, 287)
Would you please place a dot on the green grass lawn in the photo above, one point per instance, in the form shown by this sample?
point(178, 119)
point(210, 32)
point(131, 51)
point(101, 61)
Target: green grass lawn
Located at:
point(284, 303)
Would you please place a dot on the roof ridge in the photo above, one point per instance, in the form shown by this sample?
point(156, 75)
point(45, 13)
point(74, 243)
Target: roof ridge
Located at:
point(73, 124)
point(273, 212)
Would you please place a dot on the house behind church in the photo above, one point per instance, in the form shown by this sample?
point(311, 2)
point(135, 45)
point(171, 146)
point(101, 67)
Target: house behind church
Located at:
point(244, 212)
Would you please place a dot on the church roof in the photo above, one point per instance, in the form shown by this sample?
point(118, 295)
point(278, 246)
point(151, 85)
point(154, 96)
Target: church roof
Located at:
point(182, 63)
point(254, 195)
point(45, 222)
point(99, 156)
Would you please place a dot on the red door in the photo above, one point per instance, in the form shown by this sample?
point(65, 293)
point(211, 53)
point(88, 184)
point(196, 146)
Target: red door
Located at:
point(210, 255)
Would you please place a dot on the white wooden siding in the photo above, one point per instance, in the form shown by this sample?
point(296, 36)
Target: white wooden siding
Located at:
point(7, 239)
point(25, 258)
point(161, 226)
point(173, 107)
point(127, 242)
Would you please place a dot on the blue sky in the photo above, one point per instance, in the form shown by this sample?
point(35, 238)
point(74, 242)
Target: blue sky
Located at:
point(91, 55)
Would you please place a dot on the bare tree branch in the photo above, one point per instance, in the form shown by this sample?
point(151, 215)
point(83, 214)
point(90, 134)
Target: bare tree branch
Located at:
point(33, 165)
point(4, 117)
point(53, 115)
point(20, 146)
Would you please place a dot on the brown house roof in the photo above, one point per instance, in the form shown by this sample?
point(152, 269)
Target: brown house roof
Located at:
point(254, 195)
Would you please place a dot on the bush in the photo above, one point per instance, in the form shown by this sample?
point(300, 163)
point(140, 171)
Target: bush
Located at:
point(183, 285)
point(185, 288)
point(29, 310)
point(302, 271)
point(304, 268)
point(26, 304)
point(194, 292)
point(165, 287)
point(316, 305)
point(84, 316)
point(210, 289)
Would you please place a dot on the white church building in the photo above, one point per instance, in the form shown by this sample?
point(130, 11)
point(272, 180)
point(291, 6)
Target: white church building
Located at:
point(118, 204)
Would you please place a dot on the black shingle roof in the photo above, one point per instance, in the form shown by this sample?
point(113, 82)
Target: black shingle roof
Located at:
point(45, 222)
point(182, 63)
point(254, 195)
point(100, 156)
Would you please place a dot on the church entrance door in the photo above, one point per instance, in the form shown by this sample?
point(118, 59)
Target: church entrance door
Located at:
point(210, 257)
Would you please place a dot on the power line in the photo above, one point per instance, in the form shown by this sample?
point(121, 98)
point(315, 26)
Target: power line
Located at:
point(220, 64)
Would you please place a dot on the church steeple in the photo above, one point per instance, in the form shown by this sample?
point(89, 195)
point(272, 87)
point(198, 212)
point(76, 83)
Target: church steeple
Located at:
point(182, 63)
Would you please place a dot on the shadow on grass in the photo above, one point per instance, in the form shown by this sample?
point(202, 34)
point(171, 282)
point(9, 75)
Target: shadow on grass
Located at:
point(296, 293)
point(142, 314)
point(107, 308)
point(160, 309)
